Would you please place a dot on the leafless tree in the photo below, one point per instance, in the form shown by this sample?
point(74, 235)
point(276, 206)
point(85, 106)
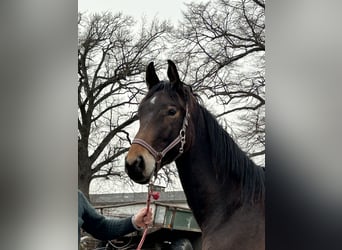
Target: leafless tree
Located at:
point(220, 49)
point(220, 46)
point(112, 55)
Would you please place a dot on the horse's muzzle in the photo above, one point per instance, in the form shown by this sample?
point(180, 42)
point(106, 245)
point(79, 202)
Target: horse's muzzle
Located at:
point(136, 169)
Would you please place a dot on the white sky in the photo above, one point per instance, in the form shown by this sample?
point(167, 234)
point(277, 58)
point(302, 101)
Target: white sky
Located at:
point(164, 10)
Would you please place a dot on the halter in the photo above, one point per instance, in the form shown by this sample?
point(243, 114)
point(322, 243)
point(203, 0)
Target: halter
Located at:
point(158, 156)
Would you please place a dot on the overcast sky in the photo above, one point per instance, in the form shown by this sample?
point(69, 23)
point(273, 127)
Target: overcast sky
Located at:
point(169, 10)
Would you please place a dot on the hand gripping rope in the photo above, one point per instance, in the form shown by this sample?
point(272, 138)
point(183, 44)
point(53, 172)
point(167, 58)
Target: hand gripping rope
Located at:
point(155, 196)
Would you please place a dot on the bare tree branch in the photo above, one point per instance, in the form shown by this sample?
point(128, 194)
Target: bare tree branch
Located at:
point(221, 46)
point(111, 61)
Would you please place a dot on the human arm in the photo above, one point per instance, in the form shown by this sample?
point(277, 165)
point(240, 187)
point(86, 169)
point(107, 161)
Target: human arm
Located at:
point(99, 226)
point(104, 228)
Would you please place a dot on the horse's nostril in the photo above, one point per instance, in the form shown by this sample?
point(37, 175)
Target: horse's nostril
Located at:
point(139, 162)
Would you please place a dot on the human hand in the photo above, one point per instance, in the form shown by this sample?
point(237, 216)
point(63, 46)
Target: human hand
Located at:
point(143, 218)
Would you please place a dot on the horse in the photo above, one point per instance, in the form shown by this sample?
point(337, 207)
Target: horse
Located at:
point(223, 187)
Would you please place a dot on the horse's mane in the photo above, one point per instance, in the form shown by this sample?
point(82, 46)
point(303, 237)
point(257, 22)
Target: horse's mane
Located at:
point(230, 162)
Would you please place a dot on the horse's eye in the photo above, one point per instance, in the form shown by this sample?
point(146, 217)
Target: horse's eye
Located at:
point(172, 112)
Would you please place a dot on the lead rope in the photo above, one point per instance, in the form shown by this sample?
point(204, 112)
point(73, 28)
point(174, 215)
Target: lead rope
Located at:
point(148, 203)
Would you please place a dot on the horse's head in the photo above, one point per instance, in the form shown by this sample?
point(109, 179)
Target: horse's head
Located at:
point(163, 120)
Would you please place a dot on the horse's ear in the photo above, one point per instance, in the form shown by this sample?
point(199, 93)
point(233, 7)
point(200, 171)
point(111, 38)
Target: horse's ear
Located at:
point(172, 73)
point(151, 76)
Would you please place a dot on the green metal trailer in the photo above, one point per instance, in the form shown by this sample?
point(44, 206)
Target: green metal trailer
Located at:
point(174, 228)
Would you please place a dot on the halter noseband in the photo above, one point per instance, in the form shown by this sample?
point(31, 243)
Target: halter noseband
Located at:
point(158, 156)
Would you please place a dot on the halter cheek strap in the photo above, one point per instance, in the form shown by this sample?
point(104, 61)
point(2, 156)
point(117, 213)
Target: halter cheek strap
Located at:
point(158, 156)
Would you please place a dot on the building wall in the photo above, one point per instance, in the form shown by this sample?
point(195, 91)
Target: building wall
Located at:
point(176, 197)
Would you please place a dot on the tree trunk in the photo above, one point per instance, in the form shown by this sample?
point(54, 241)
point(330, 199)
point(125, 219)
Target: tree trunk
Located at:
point(83, 184)
point(84, 179)
point(84, 168)
point(84, 174)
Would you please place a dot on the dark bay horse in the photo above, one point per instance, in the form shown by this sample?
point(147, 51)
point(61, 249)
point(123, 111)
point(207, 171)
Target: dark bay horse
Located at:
point(224, 188)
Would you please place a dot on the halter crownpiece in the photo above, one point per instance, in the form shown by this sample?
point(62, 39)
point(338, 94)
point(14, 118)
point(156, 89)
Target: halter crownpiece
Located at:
point(158, 156)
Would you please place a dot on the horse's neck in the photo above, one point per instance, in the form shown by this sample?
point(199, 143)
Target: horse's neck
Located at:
point(199, 181)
